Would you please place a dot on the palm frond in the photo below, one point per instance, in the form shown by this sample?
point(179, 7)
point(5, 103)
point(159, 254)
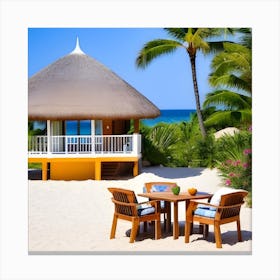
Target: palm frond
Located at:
point(246, 38)
point(232, 68)
point(232, 61)
point(228, 99)
point(246, 116)
point(177, 33)
point(228, 118)
point(215, 47)
point(164, 136)
point(220, 119)
point(230, 81)
point(154, 49)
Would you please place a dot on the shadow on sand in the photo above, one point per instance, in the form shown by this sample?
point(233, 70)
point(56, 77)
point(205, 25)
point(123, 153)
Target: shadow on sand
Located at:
point(173, 173)
point(164, 172)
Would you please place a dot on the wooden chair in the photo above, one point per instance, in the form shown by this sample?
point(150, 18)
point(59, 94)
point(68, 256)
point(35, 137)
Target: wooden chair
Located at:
point(164, 205)
point(127, 208)
point(209, 214)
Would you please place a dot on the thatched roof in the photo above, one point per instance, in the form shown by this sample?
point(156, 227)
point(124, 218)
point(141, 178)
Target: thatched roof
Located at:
point(79, 87)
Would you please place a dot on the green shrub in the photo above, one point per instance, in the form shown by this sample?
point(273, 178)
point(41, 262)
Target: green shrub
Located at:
point(158, 143)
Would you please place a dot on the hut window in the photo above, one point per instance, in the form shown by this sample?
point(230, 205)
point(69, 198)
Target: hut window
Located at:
point(85, 127)
point(78, 127)
point(37, 128)
point(98, 127)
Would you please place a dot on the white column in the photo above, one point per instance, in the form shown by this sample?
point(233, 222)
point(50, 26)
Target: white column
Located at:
point(136, 144)
point(92, 136)
point(49, 136)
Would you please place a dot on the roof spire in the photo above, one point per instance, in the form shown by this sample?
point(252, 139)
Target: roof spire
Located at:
point(77, 49)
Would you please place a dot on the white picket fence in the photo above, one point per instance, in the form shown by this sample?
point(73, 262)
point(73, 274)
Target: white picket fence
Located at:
point(76, 144)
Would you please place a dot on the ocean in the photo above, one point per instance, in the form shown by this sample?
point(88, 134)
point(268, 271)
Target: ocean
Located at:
point(166, 116)
point(170, 116)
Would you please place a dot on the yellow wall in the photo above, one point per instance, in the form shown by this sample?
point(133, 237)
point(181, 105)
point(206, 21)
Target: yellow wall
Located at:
point(72, 170)
point(79, 168)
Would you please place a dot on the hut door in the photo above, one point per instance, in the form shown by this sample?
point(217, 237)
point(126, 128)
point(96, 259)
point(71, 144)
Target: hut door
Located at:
point(107, 127)
point(107, 130)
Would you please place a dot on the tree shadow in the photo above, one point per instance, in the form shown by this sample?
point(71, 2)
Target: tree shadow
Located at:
point(173, 173)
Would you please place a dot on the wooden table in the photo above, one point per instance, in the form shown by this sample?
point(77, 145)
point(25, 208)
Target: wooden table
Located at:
point(169, 197)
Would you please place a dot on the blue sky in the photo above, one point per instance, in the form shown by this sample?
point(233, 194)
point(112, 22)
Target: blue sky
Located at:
point(166, 81)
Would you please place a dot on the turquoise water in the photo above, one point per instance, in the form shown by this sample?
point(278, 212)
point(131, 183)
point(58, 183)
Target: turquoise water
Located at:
point(167, 116)
point(170, 116)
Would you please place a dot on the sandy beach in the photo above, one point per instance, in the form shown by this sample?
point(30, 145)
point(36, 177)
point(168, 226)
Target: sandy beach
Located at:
point(75, 217)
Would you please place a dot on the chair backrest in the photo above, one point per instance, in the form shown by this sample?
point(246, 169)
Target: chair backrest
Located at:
point(122, 198)
point(235, 198)
point(149, 185)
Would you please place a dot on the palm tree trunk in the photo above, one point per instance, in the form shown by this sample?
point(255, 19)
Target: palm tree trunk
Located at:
point(196, 93)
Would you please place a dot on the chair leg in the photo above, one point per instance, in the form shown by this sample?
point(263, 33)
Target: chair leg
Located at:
point(218, 237)
point(164, 221)
point(201, 228)
point(191, 228)
point(188, 226)
point(239, 231)
point(114, 226)
point(135, 226)
point(157, 229)
point(205, 231)
point(145, 226)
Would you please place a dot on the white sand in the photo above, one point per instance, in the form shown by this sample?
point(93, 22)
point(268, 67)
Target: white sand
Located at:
point(76, 217)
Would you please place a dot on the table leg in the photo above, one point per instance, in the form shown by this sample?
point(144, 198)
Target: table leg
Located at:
point(175, 221)
point(191, 225)
point(168, 214)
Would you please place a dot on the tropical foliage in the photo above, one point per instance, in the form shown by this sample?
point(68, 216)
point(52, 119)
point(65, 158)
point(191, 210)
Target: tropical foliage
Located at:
point(159, 142)
point(232, 80)
point(192, 40)
point(234, 160)
point(230, 104)
point(181, 145)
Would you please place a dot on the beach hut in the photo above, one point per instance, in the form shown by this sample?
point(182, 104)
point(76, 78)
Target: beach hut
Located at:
point(88, 111)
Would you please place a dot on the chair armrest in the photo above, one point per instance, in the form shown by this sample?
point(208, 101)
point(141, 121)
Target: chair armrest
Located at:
point(195, 203)
point(154, 203)
point(144, 202)
point(124, 203)
point(230, 206)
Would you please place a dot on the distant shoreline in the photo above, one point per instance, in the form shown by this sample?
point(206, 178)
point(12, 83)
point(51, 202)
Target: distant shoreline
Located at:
point(170, 116)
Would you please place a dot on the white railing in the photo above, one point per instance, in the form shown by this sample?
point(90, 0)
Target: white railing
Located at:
point(99, 144)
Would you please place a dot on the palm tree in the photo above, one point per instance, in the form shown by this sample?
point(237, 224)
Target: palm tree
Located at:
point(232, 77)
point(190, 39)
